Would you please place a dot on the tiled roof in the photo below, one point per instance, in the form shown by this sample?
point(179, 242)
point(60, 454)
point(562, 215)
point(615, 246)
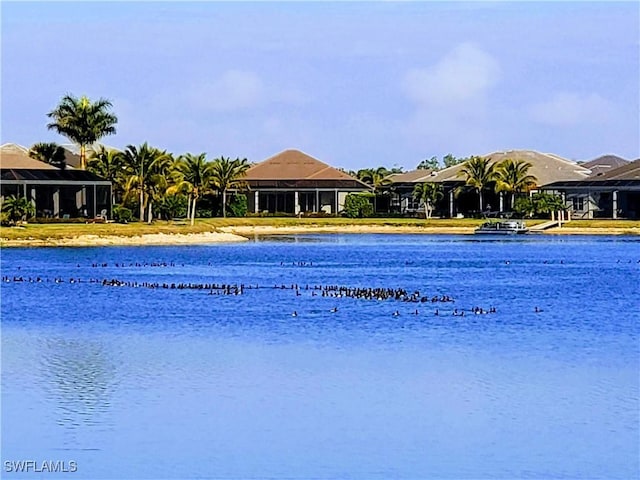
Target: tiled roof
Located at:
point(604, 164)
point(545, 167)
point(628, 171)
point(414, 176)
point(295, 165)
point(16, 157)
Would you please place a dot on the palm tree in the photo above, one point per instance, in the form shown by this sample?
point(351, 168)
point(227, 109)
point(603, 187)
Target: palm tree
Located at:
point(226, 174)
point(147, 169)
point(429, 194)
point(195, 177)
point(479, 173)
point(109, 164)
point(50, 153)
point(513, 177)
point(378, 178)
point(18, 208)
point(83, 121)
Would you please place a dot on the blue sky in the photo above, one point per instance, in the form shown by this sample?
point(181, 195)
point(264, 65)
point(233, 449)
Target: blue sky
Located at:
point(355, 84)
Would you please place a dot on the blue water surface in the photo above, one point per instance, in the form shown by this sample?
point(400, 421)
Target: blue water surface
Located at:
point(140, 382)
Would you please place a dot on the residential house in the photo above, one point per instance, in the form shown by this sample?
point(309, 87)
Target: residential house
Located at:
point(55, 192)
point(293, 182)
point(611, 194)
point(545, 167)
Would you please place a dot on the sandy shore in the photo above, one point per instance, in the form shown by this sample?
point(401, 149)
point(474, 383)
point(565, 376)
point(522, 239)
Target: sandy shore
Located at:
point(309, 229)
point(141, 240)
point(243, 233)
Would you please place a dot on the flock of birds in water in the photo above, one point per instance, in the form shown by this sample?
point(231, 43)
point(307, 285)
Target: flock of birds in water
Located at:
point(437, 305)
point(231, 289)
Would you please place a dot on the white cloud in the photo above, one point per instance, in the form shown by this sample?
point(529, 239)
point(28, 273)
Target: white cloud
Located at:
point(570, 109)
point(451, 100)
point(233, 90)
point(465, 73)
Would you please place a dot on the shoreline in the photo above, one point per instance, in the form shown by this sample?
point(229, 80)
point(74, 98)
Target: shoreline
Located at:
point(122, 240)
point(232, 234)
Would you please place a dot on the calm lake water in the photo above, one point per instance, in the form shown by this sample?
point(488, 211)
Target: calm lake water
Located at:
point(139, 382)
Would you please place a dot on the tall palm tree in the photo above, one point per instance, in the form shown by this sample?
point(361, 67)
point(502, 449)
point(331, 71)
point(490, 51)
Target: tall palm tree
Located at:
point(226, 174)
point(83, 121)
point(479, 173)
point(50, 153)
point(195, 177)
point(109, 164)
point(146, 166)
point(429, 194)
point(513, 177)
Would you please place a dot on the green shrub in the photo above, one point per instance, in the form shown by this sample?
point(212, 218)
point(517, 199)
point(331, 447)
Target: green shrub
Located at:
point(18, 208)
point(172, 206)
point(5, 220)
point(237, 206)
point(122, 214)
point(539, 205)
point(357, 206)
point(204, 212)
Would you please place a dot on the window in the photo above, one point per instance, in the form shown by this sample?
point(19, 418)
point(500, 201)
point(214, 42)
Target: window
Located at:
point(412, 203)
point(578, 203)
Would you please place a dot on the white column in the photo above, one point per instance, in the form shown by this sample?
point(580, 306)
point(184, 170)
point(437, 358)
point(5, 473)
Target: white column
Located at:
point(501, 208)
point(451, 203)
point(56, 203)
point(614, 198)
point(256, 199)
point(296, 203)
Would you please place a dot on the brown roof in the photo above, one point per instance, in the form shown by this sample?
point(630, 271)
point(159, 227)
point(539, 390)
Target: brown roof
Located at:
point(16, 157)
point(546, 167)
point(604, 164)
point(629, 171)
point(295, 165)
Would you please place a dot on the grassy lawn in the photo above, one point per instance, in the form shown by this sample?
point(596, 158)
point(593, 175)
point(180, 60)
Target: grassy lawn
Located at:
point(604, 223)
point(70, 230)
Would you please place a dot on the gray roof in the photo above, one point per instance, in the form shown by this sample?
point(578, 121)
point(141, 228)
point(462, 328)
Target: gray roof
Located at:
point(604, 164)
point(628, 171)
point(546, 167)
point(414, 176)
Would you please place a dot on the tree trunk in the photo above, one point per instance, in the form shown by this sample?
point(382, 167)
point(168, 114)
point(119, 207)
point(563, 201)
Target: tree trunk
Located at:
point(224, 203)
point(83, 157)
point(193, 211)
point(141, 205)
point(513, 200)
point(150, 211)
point(188, 206)
point(426, 210)
point(480, 196)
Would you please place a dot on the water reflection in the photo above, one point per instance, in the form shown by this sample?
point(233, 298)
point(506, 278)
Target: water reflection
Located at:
point(80, 379)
